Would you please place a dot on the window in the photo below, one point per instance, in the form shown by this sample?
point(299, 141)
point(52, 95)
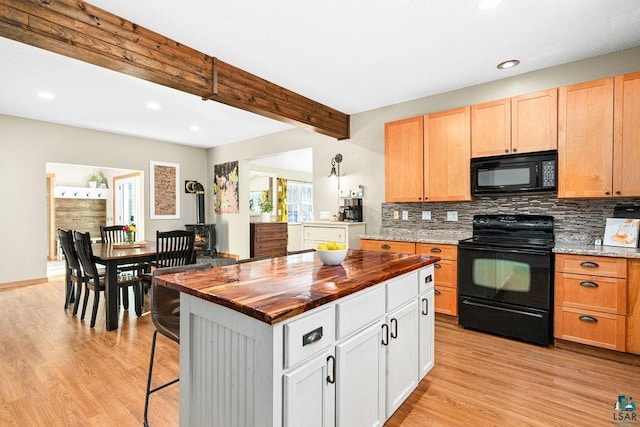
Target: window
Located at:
point(299, 201)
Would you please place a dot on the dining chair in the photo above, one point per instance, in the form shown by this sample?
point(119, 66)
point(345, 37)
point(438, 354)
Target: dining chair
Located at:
point(165, 315)
point(74, 286)
point(175, 248)
point(116, 234)
point(94, 281)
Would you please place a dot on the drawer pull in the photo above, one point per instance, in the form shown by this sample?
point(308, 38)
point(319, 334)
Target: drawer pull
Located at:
point(589, 319)
point(331, 379)
point(394, 325)
point(311, 337)
point(425, 307)
point(589, 264)
point(436, 250)
point(588, 284)
point(436, 265)
point(437, 292)
point(428, 279)
point(385, 334)
point(385, 246)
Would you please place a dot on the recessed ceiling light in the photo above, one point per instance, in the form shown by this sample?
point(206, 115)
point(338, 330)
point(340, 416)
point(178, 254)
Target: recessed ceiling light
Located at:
point(488, 4)
point(508, 64)
point(153, 105)
point(45, 95)
point(194, 128)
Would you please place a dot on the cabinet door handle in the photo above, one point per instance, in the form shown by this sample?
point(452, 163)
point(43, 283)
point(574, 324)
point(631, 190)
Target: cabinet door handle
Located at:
point(618, 192)
point(394, 326)
point(436, 265)
point(385, 246)
point(589, 319)
point(437, 292)
point(428, 279)
point(425, 307)
point(436, 250)
point(385, 334)
point(607, 192)
point(331, 379)
point(588, 284)
point(515, 149)
point(589, 264)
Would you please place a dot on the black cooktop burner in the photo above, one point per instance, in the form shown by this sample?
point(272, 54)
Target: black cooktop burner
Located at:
point(514, 231)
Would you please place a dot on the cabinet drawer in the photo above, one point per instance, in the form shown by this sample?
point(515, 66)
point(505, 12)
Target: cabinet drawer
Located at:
point(446, 300)
point(446, 273)
point(388, 246)
point(597, 293)
point(401, 290)
point(325, 234)
point(357, 312)
point(590, 327)
point(306, 336)
point(426, 279)
point(443, 251)
point(591, 265)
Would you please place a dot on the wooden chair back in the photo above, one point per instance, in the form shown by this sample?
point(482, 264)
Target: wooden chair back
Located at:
point(82, 243)
point(113, 234)
point(175, 248)
point(68, 249)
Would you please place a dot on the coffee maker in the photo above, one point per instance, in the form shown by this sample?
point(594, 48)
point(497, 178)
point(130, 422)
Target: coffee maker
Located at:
point(352, 209)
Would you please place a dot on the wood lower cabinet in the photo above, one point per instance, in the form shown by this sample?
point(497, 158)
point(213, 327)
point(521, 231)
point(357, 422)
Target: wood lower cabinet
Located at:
point(591, 300)
point(446, 276)
point(388, 246)
point(268, 239)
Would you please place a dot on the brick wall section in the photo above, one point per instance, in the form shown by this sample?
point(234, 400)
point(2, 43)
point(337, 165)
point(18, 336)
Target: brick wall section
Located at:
point(577, 221)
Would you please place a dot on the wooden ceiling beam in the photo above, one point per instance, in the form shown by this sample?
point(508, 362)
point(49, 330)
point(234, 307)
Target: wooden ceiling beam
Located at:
point(81, 31)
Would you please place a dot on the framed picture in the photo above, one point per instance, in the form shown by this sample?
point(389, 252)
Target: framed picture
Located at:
point(621, 232)
point(163, 195)
point(225, 188)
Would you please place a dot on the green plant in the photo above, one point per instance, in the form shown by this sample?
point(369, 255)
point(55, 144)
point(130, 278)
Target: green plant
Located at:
point(93, 177)
point(102, 179)
point(266, 206)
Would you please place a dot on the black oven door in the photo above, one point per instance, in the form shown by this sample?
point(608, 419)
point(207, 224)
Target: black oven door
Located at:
point(512, 276)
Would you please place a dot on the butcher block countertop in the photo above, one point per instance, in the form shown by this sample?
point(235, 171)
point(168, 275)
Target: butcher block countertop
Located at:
point(277, 289)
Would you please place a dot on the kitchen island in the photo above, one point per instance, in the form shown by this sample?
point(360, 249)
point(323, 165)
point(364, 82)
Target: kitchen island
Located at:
point(289, 341)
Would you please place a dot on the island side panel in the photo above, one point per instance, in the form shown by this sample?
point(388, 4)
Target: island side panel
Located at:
point(227, 367)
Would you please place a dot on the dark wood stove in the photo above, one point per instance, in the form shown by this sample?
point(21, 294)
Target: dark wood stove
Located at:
point(205, 239)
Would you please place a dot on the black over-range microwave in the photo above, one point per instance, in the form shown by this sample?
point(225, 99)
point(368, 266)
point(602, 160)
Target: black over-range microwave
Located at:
point(514, 173)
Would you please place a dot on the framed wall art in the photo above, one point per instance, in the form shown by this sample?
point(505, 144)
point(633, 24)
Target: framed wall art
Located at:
point(621, 232)
point(163, 195)
point(225, 188)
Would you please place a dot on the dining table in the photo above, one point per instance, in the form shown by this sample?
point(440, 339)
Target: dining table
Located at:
point(111, 256)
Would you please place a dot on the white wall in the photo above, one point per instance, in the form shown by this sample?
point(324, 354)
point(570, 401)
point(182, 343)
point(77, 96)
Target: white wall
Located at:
point(27, 145)
point(364, 152)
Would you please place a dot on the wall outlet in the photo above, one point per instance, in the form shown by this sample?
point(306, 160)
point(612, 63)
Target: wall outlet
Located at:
point(396, 215)
point(405, 215)
point(325, 214)
point(345, 193)
point(426, 215)
point(452, 215)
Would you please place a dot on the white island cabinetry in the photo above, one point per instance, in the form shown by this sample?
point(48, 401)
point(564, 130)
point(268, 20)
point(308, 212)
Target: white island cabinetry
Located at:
point(350, 362)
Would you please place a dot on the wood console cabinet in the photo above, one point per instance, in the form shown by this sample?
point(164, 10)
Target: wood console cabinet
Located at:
point(268, 239)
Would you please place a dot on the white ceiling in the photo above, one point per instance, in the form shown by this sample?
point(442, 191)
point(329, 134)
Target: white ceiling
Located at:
point(350, 55)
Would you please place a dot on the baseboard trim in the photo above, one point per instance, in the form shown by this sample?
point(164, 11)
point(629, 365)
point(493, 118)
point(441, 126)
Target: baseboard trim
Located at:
point(21, 283)
point(226, 255)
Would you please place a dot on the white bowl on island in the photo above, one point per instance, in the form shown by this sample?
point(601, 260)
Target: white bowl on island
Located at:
point(331, 257)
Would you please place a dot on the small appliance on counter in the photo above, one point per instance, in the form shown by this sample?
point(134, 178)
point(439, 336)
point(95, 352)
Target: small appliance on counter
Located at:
point(352, 209)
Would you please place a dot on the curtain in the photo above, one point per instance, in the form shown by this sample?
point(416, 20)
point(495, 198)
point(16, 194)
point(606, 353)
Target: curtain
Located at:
point(281, 209)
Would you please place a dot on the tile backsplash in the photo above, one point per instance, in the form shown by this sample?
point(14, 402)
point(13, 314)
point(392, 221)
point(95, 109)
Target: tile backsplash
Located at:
point(575, 220)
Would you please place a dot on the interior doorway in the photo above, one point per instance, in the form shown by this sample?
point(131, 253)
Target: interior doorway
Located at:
point(127, 200)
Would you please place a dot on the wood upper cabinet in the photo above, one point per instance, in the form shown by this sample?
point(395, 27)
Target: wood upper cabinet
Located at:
point(447, 152)
point(626, 139)
point(491, 128)
point(403, 154)
point(522, 124)
point(599, 138)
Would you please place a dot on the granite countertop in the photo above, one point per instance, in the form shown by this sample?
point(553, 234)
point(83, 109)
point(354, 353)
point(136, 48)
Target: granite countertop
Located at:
point(277, 289)
point(584, 249)
point(442, 237)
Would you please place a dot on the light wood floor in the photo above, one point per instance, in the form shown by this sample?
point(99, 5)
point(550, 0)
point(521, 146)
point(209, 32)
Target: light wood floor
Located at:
point(56, 371)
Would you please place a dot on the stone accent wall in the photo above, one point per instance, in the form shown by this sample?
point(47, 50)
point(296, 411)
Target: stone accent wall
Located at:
point(575, 220)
